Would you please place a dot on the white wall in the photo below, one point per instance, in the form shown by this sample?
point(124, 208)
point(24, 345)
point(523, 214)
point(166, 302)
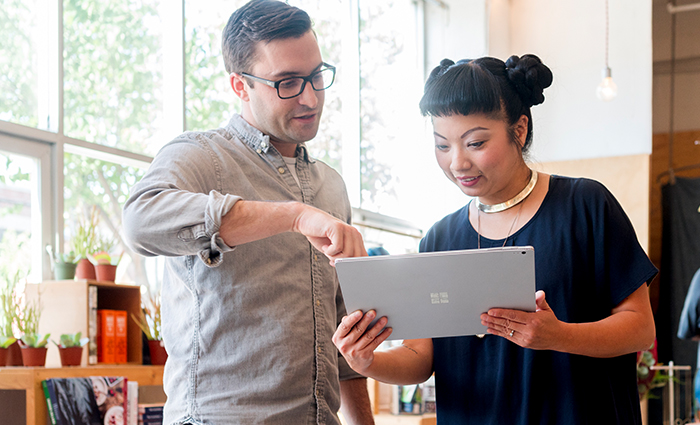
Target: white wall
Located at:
point(569, 37)
point(456, 32)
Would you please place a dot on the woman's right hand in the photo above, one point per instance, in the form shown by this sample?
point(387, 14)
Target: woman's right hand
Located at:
point(356, 342)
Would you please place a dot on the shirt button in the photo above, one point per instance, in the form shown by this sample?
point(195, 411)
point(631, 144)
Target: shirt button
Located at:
point(318, 302)
point(319, 350)
point(259, 151)
point(281, 170)
point(315, 257)
point(263, 145)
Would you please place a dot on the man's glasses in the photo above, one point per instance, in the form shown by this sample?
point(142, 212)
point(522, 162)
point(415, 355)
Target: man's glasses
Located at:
point(288, 88)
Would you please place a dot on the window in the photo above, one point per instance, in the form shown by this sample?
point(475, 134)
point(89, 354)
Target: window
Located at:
point(391, 125)
point(113, 73)
point(103, 186)
point(209, 99)
point(138, 72)
point(25, 210)
point(19, 61)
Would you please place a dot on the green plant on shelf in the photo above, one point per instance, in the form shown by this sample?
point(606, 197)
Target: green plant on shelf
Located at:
point(71, 340)
point(12, 313)
point(648, 378)
point(6, 341)
point(65, 258)
point(34, 340)
point(85, 239)
point(148, 318)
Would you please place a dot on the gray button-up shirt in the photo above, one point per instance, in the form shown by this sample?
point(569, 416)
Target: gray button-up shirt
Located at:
point(248, 330)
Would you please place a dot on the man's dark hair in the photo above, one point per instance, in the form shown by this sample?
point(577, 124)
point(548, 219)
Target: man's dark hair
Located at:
point(259, 21)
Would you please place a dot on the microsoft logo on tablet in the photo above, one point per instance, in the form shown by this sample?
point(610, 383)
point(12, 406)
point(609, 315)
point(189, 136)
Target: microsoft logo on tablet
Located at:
point(439, 298)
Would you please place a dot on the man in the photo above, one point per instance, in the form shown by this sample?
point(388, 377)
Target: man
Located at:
point(245, 217)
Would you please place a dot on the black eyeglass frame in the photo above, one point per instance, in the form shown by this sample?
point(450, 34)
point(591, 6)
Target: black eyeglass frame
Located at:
point(307, 79)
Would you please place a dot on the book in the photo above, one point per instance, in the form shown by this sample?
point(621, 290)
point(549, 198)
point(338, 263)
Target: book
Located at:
point(150, 414)
point(92, 324)
point(132, 404)
point(49, 403)
point(106, 335)
point(120, 344)
point(97, 400)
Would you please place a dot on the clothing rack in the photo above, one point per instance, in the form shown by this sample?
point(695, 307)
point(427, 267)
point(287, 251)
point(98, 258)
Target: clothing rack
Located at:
point(671, 172)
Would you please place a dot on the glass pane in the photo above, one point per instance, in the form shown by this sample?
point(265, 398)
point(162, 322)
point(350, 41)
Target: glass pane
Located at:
point(327, 19)
point(209, 99)
point(113, 73)
point(19, 32)
point(392, 127)
point(101, 188)
point(18, 218)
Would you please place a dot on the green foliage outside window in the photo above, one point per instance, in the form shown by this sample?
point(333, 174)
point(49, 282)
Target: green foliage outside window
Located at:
point(18, 73)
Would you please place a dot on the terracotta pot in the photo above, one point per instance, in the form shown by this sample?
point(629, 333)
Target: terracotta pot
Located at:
point(32, 356)
point(158, 353)
point(70, 356)
point(3, 356)
point(14, 355)
point(105, 272)
point(85, 270)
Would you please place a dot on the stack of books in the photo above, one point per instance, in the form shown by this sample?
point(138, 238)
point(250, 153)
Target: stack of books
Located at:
point(111, 336)
point(95, 400)
point(150, 414)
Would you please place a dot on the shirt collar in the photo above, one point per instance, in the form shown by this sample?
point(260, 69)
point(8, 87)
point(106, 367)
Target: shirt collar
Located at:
point(258, 141)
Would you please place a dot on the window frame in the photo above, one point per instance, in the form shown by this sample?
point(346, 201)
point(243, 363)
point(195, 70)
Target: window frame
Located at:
point(48, 143)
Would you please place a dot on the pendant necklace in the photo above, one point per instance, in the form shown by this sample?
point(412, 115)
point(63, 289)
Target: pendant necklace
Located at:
point(478, 227)
point(512, 201)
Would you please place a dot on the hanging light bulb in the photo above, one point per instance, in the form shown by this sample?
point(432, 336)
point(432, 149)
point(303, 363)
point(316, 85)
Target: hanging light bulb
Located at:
point(607, 89)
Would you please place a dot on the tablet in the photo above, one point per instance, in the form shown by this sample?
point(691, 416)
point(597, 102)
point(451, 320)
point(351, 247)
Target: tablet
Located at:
point(439, 294)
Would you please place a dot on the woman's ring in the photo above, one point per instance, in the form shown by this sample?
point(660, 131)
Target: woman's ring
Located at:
point(511, 333)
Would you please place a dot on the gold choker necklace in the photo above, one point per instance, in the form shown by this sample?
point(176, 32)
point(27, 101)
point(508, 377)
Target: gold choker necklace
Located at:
point(511, 202)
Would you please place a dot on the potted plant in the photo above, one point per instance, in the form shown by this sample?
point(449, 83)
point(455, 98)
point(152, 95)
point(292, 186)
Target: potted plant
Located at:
point(648, 378)
point(70, 348)
point(5, 343)
point(105, 263)
point(10, 311)
point(149, 322)
point(63, 265)
point(34, 348)
point(84, 242)
point(32, 344)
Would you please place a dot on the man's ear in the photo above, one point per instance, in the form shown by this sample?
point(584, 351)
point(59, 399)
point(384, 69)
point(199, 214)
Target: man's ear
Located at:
point(239, 86)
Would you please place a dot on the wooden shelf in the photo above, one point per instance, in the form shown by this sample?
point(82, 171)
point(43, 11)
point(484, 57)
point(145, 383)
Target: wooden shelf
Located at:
point(29, 379)
point(64, 309)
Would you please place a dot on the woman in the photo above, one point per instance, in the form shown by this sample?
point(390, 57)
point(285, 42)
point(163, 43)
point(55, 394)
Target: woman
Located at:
point(572, 361)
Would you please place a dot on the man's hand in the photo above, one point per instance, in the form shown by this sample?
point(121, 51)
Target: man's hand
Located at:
point(250, 221)
point(329, 235)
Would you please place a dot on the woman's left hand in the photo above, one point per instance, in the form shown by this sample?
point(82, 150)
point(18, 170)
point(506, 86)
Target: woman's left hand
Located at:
point(540, 330)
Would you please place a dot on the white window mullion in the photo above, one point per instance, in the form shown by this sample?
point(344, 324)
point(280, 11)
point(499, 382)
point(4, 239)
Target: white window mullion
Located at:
point(351, 101)
point(173, 15)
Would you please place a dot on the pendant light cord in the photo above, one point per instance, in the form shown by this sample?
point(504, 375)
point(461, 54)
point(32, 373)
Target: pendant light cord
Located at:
point(607, 34)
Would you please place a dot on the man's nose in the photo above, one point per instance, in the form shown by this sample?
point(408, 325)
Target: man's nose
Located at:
point(308, 96)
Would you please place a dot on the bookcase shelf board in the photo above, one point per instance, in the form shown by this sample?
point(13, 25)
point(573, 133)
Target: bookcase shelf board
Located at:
point(66, 309)
point(29, 379)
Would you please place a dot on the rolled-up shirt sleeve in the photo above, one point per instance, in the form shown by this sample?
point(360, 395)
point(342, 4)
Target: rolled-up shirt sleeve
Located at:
point(171, 212)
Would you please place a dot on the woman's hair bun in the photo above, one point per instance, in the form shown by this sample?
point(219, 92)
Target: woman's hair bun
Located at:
point(440, 69)
point(530, 77)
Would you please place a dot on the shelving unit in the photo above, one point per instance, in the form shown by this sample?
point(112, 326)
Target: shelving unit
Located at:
point(65, 309)
point(29, 379)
